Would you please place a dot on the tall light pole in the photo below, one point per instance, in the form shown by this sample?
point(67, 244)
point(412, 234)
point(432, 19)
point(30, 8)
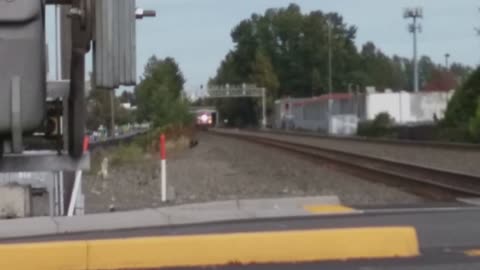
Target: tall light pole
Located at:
point(415, 14)
point(447, 56)
point(112, 112)
point(330, 83)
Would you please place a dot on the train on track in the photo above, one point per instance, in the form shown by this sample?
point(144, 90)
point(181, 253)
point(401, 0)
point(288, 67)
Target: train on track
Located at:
point(205, 119)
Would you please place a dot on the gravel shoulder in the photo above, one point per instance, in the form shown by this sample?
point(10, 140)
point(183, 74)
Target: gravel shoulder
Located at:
point(220, 168)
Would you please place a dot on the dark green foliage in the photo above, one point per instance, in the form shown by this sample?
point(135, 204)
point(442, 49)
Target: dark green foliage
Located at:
point(462, 118)
point(159, 95)
point(128, 97)
point(453, 134)
point(287, 52)
point(381, 126)
point(474, 127)
point(99, 111)
point(464, 103)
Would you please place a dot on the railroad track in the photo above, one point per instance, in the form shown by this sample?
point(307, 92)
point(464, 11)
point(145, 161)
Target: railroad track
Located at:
point(426, 144)
point(434, 183)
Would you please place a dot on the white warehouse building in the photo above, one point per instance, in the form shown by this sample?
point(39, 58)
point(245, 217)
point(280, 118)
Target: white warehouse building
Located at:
point(348, 109)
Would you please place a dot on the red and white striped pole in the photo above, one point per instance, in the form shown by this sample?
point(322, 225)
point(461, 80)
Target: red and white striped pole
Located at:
point(163, 167)
point(86, 144)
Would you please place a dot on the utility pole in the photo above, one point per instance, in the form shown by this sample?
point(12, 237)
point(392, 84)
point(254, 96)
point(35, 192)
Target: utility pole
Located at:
point(264, 108)
point(241, 91)
point(330, 83)
point(447, 56)
point(65, 179)
point(414, 28)
point(112, 112)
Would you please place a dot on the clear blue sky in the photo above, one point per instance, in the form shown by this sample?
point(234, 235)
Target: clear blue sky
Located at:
point(197, 32)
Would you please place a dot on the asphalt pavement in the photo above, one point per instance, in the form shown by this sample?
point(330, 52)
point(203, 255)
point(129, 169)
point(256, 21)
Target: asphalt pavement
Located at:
point(448, 236)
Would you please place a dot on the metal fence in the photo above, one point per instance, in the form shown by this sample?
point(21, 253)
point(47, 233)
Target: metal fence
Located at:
point(347, 109)
point(313, 113)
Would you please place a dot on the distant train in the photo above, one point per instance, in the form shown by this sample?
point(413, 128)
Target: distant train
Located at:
point(205, 119)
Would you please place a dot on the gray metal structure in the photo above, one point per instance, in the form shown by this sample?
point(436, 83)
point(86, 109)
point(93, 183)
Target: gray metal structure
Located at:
point(114, 42)
point(24, 96)
point(415, 14)
point(330, 68)
point(239, 91)
point(107, 24)
point(314, 113)
point(37, 161)
point(22, 80)
point(447, 57)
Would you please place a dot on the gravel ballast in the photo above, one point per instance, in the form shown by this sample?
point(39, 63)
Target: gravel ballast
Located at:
point(220, 168)
point(447, 159)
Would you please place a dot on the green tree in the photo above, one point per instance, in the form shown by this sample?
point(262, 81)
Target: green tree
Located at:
point(377, 66)
point(159, 94)
point(426, 69)
point(99, 110)
point(293, 47)
point(263, 74)
point(461, 72)
point(463, 105)
point(280, 50)
point(127, 97)
point(474, 127)
point(317, 83)
point(400, 77)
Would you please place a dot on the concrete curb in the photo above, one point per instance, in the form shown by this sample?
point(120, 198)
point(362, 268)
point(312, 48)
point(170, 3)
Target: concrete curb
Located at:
point(176, 215)
point(214, 249)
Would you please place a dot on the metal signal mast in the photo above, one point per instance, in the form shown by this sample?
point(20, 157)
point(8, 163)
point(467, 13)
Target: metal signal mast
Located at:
point(415, 14)
point(239, 91)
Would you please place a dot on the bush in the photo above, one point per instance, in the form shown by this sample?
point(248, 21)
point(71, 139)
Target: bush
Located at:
point(381, 126)
point(453, 134)
point(383, 120)
point(130, 153)
point(149, 141)
point(462, 118)
point(474, 127)
point(171, 111)
point(463, 105)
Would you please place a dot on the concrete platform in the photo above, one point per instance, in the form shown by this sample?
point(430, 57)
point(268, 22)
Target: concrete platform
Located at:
point(471, 201)
point(436, 238)
point(177, 215)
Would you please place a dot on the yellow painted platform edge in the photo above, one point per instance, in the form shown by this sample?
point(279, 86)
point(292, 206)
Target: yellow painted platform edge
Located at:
point(214, 249)
point(473, 252)
point(328, 209)
point(44, 256)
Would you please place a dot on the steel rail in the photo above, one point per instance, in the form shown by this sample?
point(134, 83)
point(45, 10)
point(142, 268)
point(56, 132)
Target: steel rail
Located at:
point(430, 182)
point(410, 143)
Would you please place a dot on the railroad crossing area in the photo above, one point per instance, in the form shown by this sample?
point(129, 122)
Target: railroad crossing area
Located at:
point(232, 164)
point(304, 200)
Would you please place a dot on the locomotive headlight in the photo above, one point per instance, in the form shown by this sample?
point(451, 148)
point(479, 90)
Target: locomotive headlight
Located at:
point(204, 118)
